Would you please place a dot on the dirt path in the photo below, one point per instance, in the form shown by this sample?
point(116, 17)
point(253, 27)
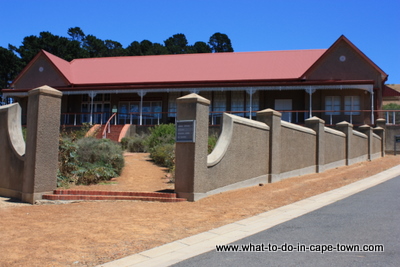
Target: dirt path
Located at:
point(90, 233)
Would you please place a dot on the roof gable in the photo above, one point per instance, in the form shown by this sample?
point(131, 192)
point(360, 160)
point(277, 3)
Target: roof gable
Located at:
point(44, 68)
point(344, 61)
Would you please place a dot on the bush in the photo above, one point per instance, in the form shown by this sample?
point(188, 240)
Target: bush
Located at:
point(67, 162)
point(160, 134)
point(212, 141)
point(164, 155)
point(88, 161)
point(135, 143)
point(101, 151)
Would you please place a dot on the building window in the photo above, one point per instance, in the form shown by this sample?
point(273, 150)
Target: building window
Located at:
point(172, 103)
point(129, 112)
point(219, 102)
point(237, 103)
point(352, 105)
point(332, 105)
point(99, 108)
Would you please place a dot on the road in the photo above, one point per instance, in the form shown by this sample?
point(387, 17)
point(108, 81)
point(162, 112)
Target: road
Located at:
point(369, 217)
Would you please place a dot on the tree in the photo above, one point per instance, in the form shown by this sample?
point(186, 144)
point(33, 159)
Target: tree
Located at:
point(219, 42)
point(201, 47)
point(145, 47)
point(177, 44)
point(94, 46)
point(10, 66)
point(114, 49)
point(76, 34)
point(133, 49)
point(158, 49)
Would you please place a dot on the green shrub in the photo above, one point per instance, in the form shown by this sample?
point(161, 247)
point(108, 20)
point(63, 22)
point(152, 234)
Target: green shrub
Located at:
point(90, 173)
point(102, 151)
point(67, 162)
point(88, 161)
point(160, 134)
point(76, 133)
point(135, 143)
point(212, 141)
point(164, 155)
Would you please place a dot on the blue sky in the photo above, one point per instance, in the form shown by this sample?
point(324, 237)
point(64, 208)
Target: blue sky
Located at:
point(252, 25)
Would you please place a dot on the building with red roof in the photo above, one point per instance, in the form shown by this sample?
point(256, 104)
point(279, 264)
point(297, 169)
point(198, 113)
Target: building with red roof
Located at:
point(335, 84)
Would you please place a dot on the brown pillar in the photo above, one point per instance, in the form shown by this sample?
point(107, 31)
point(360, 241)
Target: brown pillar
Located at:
point(318, 125)
point(191, 157)
point(43, 126)
point(273, 119)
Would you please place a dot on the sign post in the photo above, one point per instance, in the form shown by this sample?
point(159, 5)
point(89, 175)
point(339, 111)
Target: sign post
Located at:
point(185, 131)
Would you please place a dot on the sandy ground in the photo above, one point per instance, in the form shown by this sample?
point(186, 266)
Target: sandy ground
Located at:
point(91, 233)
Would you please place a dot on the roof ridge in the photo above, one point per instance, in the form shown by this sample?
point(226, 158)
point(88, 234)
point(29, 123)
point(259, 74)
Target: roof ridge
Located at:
point(197, 54)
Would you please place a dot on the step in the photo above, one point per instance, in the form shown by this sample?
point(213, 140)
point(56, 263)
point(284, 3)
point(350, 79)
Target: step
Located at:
point(112, 193)
point(111, 198)
point(70, 194)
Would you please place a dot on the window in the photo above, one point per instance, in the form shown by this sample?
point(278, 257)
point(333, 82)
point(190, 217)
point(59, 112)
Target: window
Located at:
point(129, 112)
point(332, 105)
point(282, 105)
point(352, 105)
point(237, 102)
point(172, 103)
point(219, 101)
point(99, 108)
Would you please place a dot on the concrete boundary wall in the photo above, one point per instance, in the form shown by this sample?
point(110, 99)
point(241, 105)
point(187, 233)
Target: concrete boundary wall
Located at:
point(30, 170)
point(390, 132)
point(268, 150)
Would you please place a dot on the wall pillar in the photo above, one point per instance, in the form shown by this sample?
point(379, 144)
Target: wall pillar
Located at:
point(273, 119)
point(191, 157)
point(347, 129)
point(318, 125)
point(367, 130)
point(381, 133)
point(381, 123)
point(43, 126)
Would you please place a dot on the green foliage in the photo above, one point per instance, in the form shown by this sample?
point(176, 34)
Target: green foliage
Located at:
point(212, 141)
point(10, 66)
point(393, 117)
point(164, 155)
point(391, 106)
point(135, 143)
point(88, 161)
point(220, 42)
point(67, 162)
point(101, 151)
point(160, 134)
point(77, 133)
point(177, 44)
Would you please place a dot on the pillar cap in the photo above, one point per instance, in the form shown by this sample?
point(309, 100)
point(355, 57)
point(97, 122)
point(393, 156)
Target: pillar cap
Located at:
point(365, 126)
point(194, 98)
point(315, 119)
point(344, 123)
point(270, 111)
point(45, 90)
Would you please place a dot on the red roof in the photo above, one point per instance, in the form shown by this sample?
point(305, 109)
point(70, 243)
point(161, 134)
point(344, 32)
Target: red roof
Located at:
point(195, 67)
point(271, 65)
point(391, 90)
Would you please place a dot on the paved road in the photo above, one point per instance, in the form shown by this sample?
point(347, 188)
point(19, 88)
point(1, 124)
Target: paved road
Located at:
point(369, 217)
